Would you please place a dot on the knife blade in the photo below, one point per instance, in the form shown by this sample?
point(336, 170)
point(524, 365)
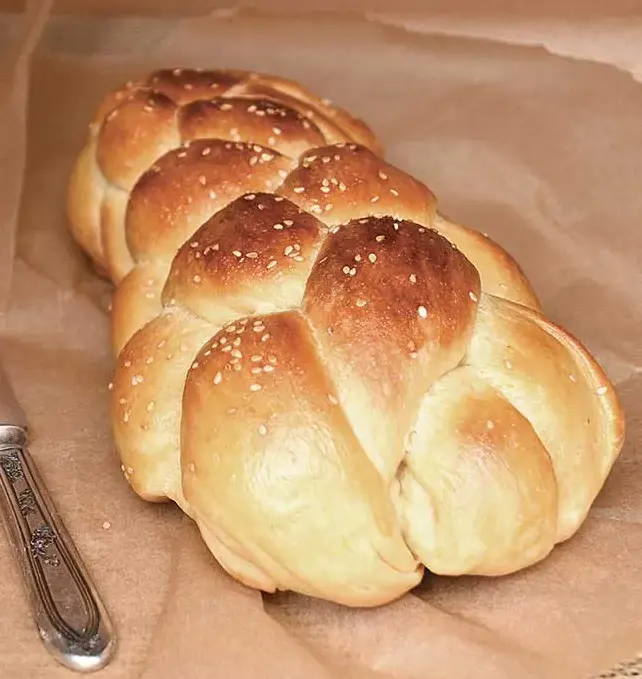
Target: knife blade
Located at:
point(69, 615)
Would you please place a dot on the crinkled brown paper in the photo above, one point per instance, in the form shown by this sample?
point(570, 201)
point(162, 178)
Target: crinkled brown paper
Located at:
point(540, 151)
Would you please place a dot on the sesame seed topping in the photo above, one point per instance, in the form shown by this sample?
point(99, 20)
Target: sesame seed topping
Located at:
point(372, 257)
point(382, 175)
point(278, 227)
point(601, 390)
point(197, 279)
point(333, 399)
point(412, 278)
point(136, 379)
point(572, 378)
point(271, 265)
point(202, 180)
point(110, 386)
point(490, 424)
point(473, 296)
point(357, 258)
point(299, 189)
point(374, 199)
point(217, 378)
point(237, 253)
point(380, 238)
point(255, 387)
point(206, 151)
point(262, 430)
point(422, 311)
point(127, 363)
point(361, 302)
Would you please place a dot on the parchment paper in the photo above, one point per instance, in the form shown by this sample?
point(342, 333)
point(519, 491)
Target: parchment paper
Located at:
point(540, 151)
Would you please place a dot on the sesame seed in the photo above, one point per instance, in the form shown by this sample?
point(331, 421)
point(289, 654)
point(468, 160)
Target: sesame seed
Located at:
point(374, 199)
point(252, 255)
point(206, 151)
point(333, 399)
point(382, 175)
point(342, 186)
point(372, 257)
point(237, 253)
point(194, 365)
point(601, 391)
point(126, 417)
point(380, 238)
point(271, 265)
point(508, 364)
point(490, 424)
point(361, 302)
point(150, 406)
point(110, 386)
point(299, 189)
point(127, 363)
point(197, 279)
point(472, 296)
point(278, 227)
point(202, 180)
point(255, 358)
point(353, 271)
point(262, 430)
point(288, 250)
point(346, 270)
point(357, 258)
point(217, 378)
point(325, 189)
point(412, 278)
point(106, 525)
point(255, 387)
point(288, 222)
point(136, 379)
point(422, 311)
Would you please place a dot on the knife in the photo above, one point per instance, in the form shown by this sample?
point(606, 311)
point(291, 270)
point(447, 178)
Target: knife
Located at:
point(69, 615)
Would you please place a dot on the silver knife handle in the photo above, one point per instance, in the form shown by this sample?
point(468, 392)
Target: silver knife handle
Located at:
point(68, 612)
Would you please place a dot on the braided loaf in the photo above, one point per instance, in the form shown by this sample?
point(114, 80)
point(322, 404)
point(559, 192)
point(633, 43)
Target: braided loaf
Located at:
point(339, 385)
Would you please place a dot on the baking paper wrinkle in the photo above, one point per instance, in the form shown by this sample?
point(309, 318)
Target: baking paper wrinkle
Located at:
point(535, 149)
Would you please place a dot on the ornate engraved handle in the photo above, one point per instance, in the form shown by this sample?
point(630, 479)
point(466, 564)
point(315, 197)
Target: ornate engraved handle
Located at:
point(70, 617)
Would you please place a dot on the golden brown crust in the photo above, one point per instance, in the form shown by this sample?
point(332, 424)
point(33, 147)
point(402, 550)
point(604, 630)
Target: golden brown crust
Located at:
point(137, 124)
point(337, 383)
point(408, 287)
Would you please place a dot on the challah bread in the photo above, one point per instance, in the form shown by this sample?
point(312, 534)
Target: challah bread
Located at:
point(339, 385)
